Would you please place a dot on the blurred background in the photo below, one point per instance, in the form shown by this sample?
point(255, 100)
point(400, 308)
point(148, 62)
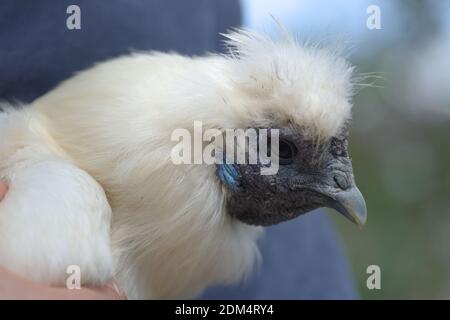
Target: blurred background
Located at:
point(400, 135)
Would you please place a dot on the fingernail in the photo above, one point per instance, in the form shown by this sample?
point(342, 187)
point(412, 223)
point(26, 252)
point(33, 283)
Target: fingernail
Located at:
point(3, 190)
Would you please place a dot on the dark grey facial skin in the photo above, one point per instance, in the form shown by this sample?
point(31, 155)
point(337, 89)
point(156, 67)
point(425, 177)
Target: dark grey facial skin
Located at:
point(309, 177)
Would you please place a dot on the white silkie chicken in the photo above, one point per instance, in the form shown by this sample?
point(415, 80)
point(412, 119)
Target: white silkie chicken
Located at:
point(92, 184)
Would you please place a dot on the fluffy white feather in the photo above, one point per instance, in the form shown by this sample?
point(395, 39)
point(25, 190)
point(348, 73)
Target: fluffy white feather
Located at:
point(171, 236)
point(55, 215)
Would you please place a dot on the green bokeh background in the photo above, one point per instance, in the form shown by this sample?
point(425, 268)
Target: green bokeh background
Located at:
point(400, 135)
point(401, 158)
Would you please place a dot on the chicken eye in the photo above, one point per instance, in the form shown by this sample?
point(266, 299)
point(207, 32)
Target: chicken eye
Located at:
point(287, 151)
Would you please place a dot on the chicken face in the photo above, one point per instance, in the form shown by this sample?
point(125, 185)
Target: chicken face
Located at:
point(310, 176)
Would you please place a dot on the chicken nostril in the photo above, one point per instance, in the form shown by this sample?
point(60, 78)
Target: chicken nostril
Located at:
point(342, 181)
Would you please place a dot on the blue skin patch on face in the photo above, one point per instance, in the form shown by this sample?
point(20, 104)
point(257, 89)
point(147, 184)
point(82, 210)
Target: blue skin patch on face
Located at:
point(228, 174)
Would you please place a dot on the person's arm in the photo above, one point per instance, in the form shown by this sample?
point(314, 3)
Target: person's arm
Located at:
point(13, 286)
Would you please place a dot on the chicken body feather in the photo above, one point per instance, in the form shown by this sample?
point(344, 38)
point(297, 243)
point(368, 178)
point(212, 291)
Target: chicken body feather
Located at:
point(170, 235)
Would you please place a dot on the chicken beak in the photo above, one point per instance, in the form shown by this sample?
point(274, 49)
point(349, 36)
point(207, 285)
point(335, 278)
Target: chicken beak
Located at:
point(351, 204)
